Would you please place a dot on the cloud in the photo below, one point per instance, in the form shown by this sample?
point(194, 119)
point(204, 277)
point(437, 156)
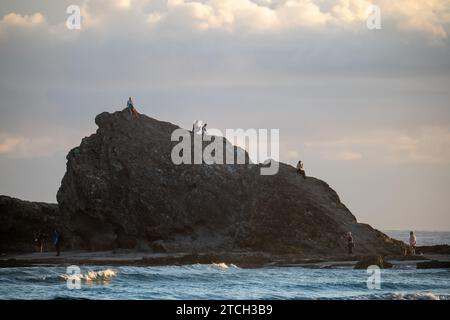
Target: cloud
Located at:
point(9, 144)
point(427, 145)
point(18, 21)
point(348, 156)
point(25, 147)
point(431, 18)
point(14, 19)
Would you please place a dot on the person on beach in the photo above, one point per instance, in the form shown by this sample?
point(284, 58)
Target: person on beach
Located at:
point(350, 243)
point(196, 126)
point(301, 169)
point(39, 241)
point(404, 250)
point(203, 130)
point(57, 241)
point(133, 111)
point(412, 243)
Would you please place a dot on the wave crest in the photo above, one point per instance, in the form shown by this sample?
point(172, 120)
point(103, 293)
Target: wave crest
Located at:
point(100, 275)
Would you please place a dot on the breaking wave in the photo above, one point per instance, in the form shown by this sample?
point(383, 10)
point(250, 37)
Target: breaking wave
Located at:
point(101, 275)
point(221, 266)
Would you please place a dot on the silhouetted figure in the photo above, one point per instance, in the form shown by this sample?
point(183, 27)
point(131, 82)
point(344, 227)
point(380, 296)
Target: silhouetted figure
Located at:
point(301, 169)
point(203, 130)
point(412, 243)
point(350, 243)
point(404, 250)
point(133, 111)
point(57, 241)
point(39, 241)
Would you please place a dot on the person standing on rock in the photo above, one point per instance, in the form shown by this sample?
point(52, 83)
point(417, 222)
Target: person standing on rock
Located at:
point(301, 169)
point(350, 243)
point(203, 130)
point(133, 111)
point(196, 126)
point(412, 243)
point(57, 241)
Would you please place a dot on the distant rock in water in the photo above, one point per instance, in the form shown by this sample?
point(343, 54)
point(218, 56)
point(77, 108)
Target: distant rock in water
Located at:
point(121, 190)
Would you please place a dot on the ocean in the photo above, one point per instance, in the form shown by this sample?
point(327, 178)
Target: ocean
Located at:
point(424, 238)
point(220, 281)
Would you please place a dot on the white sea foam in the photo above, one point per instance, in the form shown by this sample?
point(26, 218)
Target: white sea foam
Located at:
point(221, 266)
point(416, 296)
point(101, 275)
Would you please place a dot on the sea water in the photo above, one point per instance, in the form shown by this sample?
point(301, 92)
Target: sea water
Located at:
point(424, 238)
point(222, 281)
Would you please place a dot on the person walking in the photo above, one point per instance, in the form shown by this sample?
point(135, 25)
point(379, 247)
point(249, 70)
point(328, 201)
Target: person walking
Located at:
point(57, 241)
point(204, 130)
point(350, 243)
point(40, 238)
point(412, 243)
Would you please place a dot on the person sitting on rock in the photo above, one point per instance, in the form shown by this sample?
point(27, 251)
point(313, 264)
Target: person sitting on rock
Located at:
point(350, 243)
point(412, 243)
point(301, 169)
point(133, 111)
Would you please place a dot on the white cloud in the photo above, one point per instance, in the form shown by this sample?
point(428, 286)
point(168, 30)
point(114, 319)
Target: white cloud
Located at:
point(9, 144)
point(37, 146)
point(15, 21)
point(348, 156)
point(427, 145)
point(428, 17)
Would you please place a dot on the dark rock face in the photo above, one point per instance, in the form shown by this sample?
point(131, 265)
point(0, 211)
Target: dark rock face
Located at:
point(433, 265)
point(436, 249)
point(20, 220)
point(367, 261)
point(121, 190)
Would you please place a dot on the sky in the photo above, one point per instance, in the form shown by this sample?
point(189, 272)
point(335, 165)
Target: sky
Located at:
point(366, 110)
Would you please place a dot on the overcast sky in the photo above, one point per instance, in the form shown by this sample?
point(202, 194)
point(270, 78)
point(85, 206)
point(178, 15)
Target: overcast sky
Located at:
point(368, 111)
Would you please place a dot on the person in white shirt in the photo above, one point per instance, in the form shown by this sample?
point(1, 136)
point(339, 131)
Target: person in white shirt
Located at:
point(412, 243)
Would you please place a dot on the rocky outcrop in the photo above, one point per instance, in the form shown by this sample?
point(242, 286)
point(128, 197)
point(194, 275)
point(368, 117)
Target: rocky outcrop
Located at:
point(121, 190)
point(20, 220)
point(436, 249)
point(368, 261)
point(434, 264)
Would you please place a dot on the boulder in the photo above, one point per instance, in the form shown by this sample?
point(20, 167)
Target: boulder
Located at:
point(368, 261)
point(433, 265)
point(121, 190)
point(436, 249)
point(21, 220)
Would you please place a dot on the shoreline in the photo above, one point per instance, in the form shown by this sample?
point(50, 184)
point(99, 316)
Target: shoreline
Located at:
point(240, 259)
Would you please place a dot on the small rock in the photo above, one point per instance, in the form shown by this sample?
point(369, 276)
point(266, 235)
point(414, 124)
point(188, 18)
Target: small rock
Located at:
point(367, 261)
point(433, 265)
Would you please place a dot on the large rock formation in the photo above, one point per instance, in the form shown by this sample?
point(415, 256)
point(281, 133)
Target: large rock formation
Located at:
point(21, 220)
point(121, 189)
